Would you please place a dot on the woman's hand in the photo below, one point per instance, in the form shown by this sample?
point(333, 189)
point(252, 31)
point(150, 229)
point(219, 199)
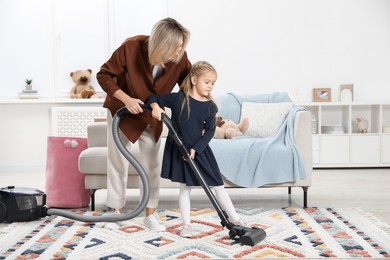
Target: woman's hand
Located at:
point(156, 111)
point(132, 104)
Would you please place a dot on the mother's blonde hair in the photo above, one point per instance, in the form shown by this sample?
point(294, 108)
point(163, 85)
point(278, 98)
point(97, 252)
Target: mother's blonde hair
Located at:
point(164, 41)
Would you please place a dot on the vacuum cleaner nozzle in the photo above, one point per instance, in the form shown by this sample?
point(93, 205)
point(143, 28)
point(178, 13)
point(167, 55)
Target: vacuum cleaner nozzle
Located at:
point(252, 236)
point(247, 235)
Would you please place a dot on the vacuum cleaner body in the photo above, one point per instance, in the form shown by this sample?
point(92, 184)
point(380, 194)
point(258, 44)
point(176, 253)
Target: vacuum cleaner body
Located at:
point(19, 204)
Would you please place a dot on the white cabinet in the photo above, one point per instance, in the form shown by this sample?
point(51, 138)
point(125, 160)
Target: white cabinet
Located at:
point(337, 141)
point(365, 149)
point(334, 149)
point(28, 123)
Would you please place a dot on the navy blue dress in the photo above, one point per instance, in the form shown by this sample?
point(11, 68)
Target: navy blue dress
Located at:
point(195, 130)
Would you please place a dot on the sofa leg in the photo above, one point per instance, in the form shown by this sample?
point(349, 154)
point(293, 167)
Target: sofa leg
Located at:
point(305, 188)
point(92, 191)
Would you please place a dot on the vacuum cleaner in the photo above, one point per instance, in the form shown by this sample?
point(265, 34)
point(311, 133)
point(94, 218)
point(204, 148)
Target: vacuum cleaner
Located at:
point(26, 204)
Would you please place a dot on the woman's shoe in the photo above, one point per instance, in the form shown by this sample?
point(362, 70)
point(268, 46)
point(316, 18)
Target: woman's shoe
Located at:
point(117, 211)
point(153, 223)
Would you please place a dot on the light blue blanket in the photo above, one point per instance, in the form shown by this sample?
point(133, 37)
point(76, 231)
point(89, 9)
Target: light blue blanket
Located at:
point(253, 162)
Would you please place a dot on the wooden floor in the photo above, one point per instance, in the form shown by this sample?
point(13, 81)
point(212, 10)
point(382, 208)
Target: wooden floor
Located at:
point(337, 188)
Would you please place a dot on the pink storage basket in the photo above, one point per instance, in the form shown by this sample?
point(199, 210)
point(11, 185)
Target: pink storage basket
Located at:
point(64, 183)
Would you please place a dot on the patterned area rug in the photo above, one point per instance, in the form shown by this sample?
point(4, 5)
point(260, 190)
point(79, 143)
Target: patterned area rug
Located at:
point(291, 233)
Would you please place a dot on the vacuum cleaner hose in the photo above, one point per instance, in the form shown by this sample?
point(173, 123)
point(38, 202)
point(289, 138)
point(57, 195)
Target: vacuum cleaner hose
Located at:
point(110, 217)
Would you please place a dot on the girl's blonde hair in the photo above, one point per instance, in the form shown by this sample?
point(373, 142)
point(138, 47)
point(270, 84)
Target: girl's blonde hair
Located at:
point(198, 69)
point(164, 41)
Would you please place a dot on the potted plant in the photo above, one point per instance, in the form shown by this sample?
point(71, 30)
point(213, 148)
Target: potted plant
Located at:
point(28, 84)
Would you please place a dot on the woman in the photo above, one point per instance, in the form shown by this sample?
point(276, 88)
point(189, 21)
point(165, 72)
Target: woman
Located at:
point(140, 67)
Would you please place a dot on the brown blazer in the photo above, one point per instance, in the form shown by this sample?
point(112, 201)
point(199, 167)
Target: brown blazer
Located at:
point(129, 69)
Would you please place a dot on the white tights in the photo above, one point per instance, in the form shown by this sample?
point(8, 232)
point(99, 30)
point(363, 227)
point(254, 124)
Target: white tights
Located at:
point(220, 194)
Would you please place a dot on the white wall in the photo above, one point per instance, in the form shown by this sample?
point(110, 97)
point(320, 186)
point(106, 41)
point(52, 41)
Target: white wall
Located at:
point(25, 46)
point(47, 39)
point(279, 45)
point(256, 45)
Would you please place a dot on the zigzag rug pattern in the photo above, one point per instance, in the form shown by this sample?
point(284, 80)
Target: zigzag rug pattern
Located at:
point(291, 233)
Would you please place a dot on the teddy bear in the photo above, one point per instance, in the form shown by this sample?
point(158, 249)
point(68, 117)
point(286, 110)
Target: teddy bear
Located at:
point(227, 129)
point(82, 89)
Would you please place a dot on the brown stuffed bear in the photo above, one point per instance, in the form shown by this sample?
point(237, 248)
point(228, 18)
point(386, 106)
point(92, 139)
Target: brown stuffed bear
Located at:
point(227, 129)
point(82, 89)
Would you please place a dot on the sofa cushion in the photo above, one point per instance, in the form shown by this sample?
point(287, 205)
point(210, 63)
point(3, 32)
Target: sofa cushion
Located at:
point(230, 103)
point(93, 160)
point(264, 118)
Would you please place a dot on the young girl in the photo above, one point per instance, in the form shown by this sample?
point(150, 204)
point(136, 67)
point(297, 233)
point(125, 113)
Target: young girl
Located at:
point(193, 117)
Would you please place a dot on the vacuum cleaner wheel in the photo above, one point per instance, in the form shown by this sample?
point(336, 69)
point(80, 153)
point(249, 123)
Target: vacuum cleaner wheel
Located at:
point(3, 211)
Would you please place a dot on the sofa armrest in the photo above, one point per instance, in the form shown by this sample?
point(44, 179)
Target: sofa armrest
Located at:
point(303, 139)
point(97, 134)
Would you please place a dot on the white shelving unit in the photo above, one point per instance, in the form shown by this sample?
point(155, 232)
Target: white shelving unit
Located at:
point(347, 147)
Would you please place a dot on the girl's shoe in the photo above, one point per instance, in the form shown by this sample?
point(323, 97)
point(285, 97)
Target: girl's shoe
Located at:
point(186, 231)
point(239, 222)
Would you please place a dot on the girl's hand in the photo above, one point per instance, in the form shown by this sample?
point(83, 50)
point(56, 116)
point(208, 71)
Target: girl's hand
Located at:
point(156, 111)
point(192, 153)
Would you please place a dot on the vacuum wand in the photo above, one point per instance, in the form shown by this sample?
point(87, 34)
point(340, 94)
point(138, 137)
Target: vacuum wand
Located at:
point(245, 235)
point(184, 151)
